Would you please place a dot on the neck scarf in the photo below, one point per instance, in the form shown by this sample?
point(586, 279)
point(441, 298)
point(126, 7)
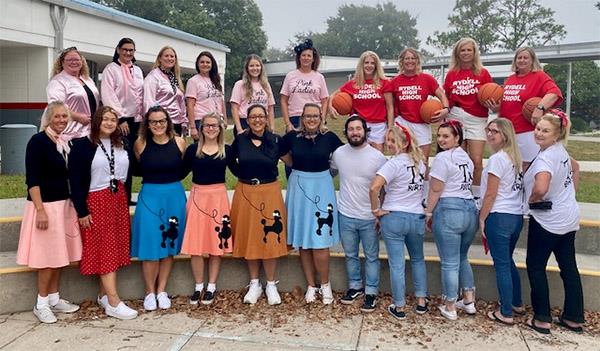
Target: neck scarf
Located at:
point(61, 141)
point(172, 79)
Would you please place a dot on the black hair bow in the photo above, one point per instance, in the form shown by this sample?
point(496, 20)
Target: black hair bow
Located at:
point(307, 44)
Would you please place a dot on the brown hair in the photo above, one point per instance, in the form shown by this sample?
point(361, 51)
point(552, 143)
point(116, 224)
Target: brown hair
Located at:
point(145, 133)
point(115, 137)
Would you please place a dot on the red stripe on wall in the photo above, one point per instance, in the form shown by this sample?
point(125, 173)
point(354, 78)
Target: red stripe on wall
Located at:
point(23, 105)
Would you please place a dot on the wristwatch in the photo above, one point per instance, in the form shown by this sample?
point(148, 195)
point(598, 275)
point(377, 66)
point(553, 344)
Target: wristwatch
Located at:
point(541, 107)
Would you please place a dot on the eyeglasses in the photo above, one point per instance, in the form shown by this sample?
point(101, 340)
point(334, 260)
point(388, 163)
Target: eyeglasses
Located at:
point(311, 116)
point(73, 60)
point(128, 50)
point(157, 122)
point(491, 131)
point(255, 117)
point(210, 126)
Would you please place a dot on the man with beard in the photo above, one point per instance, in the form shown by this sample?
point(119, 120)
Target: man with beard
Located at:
point(357, 163)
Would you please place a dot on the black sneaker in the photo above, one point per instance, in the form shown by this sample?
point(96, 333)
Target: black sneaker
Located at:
point(369, 304)
point(195, 297)
point(399, 315)
point(208, 297)
point(420, 309)
point(351, 295)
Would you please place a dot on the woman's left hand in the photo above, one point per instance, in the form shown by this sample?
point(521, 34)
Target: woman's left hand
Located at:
point(429, 223)
point(85, 222)
point(482, 227)
point(439, 115)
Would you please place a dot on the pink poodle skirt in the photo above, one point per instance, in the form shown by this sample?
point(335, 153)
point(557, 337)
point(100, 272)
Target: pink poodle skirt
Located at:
point(54, 247)
point(207, 227)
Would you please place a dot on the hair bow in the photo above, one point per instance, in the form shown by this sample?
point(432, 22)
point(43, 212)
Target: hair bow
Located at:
point(307, 44)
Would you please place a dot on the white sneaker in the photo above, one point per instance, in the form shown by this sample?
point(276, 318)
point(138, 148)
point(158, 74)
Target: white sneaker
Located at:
point(451, 315)
point(468, 308)
point(254, 292)
point(150, 302)
point(164, 302)
point(102, 301)
point(310, 295)
point(122, 311)
point(44, 314)
point(64, 306)
point(327, 293)
point(273, 297)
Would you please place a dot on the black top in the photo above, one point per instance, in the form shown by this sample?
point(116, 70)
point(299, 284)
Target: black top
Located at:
point(250, 161)
point(80, 171)
point(311, 155)
point(45, 167)
point(205, 170)
point(161, 164)
point(91, 99)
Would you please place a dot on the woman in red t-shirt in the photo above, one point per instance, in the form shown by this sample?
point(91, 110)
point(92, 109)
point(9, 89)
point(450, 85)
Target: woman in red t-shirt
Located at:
point(371, 98)
point(465, 75)
point(529, 80)
point(410, 89)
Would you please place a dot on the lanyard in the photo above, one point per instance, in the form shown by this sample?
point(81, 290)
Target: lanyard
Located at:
point(113, 184)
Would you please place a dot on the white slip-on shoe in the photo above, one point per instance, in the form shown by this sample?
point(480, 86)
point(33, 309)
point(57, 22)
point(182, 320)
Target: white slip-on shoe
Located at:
point(150, 302)
point(469, 308)
point(326, 293)
point(311, 294)
point(254, 292)
point(122, 311)
point(164, 302)
point(102, 301)
point(451, 315)
point(44, 314)
point(64, 306)
point(273, 297)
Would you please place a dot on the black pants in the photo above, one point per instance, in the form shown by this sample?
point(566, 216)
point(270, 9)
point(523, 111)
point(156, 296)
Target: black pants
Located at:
point(131, 138)
point(540, 244)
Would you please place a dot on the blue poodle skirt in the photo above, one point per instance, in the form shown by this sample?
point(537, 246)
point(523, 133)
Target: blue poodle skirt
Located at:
point(309, 200)
point(155, 233)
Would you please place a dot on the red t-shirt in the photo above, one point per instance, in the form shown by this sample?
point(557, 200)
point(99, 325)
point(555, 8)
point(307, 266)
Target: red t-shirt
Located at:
point(517, 90)
point(461, 88)
point(410, 93)
point(368, 101)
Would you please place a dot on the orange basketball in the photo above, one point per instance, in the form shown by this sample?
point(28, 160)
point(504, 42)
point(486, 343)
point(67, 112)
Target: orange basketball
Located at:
point(490, 91)
point(529, 106)
point(342, 102)
point(429, 108)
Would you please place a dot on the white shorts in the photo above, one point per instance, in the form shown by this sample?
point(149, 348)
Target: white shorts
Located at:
point(422, 131)
point(377, 132)
point(529, 149)
point(473, 126)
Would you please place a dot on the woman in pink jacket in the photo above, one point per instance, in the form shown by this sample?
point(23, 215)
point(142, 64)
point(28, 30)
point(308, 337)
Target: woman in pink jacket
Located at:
point(163, 87)
point(72, 85)
point(122, 88)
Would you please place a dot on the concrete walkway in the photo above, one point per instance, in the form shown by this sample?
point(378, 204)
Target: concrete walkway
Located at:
point(290, 326)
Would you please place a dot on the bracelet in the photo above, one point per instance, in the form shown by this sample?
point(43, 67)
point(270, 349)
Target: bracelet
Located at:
point(447, 108)
point(428, 214)
point(375, 210)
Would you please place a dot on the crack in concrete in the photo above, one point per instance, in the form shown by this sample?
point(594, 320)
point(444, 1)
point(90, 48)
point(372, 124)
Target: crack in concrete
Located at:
point(524, 340)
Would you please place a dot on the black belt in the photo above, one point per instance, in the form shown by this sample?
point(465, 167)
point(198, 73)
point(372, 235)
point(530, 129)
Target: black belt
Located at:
point(256, 181)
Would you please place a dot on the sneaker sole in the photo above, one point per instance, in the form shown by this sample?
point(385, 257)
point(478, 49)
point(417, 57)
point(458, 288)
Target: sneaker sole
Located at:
point(64, 311)
point(367, 310)
point(396, 317)
point(346, 302)
point(193, 302)
point(207, 302)
point(45, 322)
point(124, 318)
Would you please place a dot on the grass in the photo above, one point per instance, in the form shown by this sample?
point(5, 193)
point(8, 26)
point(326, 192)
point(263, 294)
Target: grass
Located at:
point(12, 186)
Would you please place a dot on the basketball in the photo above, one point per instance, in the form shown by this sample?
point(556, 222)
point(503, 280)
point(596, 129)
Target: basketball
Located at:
point(529, 106)
point(429, 108)
point(490, 91)
point(342, 102)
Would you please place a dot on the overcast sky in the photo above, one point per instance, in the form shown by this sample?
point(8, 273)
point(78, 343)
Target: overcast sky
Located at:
point(283, 18)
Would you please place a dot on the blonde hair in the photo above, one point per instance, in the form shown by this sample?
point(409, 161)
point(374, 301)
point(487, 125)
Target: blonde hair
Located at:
point(561, 124)
point(58, 63)
point(535, 63)
point(359, 74)
point(176, 68)
point(49, 112)
point(220, 139)
point(455, 58)
point(414, 52)
point(262, 77)
point(404, 146)
point(509, 138)
point(322, 127)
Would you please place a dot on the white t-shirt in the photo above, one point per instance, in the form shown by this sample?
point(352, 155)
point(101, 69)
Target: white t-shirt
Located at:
point(404, 184)
point(357, 168)
point(564, 215)
point(509, 198)
point(455, 169)
point(100, 174)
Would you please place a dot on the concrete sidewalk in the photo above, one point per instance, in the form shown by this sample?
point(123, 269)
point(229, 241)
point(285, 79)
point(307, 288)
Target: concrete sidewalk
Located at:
point(229, 325)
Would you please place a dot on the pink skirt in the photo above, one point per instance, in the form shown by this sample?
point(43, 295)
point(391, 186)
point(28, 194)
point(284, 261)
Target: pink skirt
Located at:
point(106, 241)
point(207, 226)
point(54, 247)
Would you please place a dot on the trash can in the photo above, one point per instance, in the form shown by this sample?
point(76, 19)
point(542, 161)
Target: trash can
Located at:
point(13, 141)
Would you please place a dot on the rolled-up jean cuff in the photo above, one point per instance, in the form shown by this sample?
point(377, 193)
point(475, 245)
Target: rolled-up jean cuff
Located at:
point(446, 299)
point(369, 290)
point(355, 285)
point(469, 289)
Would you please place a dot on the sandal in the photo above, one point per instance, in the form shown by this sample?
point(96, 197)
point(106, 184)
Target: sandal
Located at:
point(494, 317)
point(562, 323)
point(531, 324)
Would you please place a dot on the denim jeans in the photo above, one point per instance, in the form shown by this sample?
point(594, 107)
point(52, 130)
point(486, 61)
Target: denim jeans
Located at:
point(455, 222)
point(400, 228)
point(295, 121)
point(352, 232)
point(540, 244)
point(502, 231)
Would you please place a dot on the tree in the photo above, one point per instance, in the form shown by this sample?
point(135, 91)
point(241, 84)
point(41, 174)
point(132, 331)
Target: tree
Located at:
point(274, 54)
point(235, 23)
point(585, 96)
point(355, 29)
point(505, 24)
